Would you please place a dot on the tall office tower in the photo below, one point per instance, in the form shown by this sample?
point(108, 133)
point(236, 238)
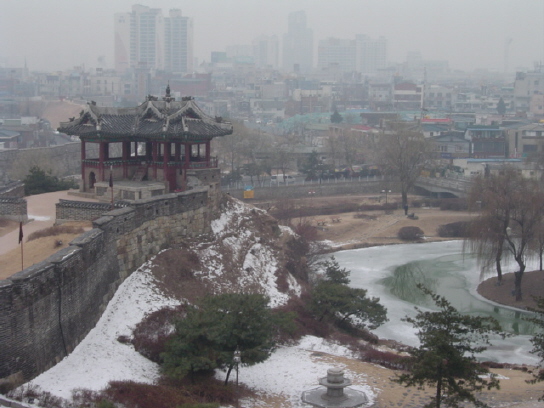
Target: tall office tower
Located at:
point(145, 39)
point(298, 44)
point(371, 54)
point(336, 52)
point(266, 51)
point(178, 41)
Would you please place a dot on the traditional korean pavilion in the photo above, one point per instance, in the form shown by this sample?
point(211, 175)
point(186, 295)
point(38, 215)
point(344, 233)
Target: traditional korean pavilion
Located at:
point(158, 143)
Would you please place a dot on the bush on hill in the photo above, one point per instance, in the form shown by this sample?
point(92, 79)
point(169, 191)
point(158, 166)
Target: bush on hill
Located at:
point(38, 181)
point(55, 230)
point(457, 229)
point(410, 233)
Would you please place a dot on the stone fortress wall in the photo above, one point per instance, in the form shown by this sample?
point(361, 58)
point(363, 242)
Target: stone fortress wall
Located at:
point(62, 160)
point(47, 309)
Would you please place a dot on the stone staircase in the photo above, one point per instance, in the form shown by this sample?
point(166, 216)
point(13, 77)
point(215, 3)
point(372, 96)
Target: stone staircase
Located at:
point(141, 172)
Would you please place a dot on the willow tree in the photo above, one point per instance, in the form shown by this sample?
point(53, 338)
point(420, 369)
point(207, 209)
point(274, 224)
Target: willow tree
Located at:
point(512, 208)
point(403, 152)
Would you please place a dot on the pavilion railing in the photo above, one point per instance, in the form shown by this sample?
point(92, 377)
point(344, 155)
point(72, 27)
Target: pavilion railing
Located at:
point(193, 163)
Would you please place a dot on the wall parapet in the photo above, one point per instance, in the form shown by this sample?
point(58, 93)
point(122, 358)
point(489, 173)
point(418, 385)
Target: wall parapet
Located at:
point(48, 308)
point(13, 208)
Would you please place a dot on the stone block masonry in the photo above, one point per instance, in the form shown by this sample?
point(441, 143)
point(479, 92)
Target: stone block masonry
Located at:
point(47, 309)
point(71, 210)
point(12, 204)
point(13, 208)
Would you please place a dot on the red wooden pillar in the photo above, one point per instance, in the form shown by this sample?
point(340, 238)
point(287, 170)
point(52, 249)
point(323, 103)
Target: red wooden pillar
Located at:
point(187, 155)
point(83, 157)
point(208, 155)
point(155, 158)
point(101, 160)
point(126, 156)
point(167, 148)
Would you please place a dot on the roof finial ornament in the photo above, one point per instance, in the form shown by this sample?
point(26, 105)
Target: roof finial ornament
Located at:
point(168, 98)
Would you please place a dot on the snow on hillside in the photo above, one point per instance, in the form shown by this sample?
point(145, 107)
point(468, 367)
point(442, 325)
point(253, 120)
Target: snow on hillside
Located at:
point(100, 358)
point(242, 242)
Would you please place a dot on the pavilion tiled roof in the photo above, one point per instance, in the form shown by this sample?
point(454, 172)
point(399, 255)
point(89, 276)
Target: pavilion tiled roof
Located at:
point(165, 119)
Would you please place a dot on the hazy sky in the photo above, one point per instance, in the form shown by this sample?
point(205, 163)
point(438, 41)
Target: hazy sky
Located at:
point(59, 34)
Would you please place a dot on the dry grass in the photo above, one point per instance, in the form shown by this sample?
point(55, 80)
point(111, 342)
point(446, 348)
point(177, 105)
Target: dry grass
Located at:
point(39, 249)
point(54, 231)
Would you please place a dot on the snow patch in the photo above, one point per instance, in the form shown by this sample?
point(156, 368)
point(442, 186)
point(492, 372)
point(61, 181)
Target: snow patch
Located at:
point(100, 358)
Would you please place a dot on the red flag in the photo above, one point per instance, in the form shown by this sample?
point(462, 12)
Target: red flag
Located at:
point(20, 232)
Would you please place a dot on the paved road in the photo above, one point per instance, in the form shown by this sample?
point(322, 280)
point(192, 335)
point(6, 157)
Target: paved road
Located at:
point(41, 214)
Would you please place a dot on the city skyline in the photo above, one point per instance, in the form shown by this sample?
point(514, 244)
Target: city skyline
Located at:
point(486, 34)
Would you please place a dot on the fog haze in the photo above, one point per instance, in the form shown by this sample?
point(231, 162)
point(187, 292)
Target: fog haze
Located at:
point(470, 34)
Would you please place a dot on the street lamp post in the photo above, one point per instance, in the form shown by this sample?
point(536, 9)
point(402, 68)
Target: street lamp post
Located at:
point(237, 360)
point(386, 191)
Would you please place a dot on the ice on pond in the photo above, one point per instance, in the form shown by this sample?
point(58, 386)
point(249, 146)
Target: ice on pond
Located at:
point(448, 272)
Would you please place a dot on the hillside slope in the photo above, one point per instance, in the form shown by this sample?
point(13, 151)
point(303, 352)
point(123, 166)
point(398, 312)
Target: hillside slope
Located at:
point(247, 251)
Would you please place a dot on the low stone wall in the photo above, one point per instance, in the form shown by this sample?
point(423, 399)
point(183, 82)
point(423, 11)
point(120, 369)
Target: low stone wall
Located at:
point(12, 204)
point(70, 210)
point(13, 208)
point(47, 309)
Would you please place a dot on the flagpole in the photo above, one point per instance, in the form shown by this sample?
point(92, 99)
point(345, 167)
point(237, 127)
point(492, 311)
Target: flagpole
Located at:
point(21, 242)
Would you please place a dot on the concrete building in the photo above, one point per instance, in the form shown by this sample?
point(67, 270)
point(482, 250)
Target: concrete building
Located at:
point(266, 51)
point(336, 52)
point(450, 145)
point(439, 97)
point(371, 54)
point(407, 96)
point(487, 142)
point(526, 85)
point(298, 44)
point(526, 140)
point(178, 43)
point(380, 95)
point(146, 39)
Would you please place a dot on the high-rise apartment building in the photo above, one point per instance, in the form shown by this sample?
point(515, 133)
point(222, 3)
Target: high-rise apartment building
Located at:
point(178, 41)
point(145, 39)
point(266, 51)
point(298, 44)
point(371, 54)
point(337, 53)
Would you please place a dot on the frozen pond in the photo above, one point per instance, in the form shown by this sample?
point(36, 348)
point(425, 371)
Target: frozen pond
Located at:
point(392, 273)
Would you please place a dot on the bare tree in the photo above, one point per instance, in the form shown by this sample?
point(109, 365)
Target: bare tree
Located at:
point(404, 153)
point(512, 210)
point(231, 146)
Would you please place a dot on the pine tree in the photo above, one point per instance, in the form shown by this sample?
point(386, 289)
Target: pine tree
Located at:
point(208, 335)
point(446, 358)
